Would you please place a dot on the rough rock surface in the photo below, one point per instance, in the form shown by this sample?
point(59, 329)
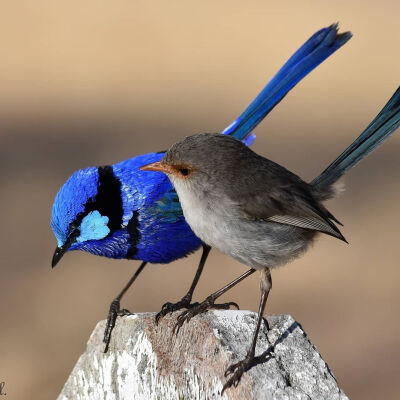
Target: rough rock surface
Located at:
point(149, 362)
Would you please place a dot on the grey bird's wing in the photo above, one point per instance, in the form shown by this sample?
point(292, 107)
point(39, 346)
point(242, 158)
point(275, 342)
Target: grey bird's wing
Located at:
point(260, 189)
point(275, 194)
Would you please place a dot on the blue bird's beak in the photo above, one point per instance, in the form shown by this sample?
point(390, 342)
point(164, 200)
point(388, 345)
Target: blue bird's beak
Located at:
point(58, 253)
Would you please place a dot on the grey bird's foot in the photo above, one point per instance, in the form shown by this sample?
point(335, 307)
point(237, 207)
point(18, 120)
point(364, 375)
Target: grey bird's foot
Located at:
point(200, 308)
point(237, 370)
point(112, 317)
point(168, 308)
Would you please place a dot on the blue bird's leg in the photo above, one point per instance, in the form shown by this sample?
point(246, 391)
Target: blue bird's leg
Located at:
point(185, 302)
point(209, 302)
point(115, 308)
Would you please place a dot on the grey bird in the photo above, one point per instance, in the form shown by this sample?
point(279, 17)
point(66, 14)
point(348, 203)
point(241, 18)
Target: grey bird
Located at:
point(255, 210)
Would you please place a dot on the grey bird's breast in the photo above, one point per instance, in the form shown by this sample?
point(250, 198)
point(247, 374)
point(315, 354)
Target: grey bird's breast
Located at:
point(218, 221)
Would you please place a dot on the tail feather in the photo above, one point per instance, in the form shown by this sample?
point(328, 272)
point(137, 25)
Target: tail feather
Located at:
point(383, 125)
point(312, 53)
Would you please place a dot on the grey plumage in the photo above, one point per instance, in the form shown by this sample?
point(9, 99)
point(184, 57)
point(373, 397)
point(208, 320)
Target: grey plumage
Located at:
point(255, 210)
point(246, 205)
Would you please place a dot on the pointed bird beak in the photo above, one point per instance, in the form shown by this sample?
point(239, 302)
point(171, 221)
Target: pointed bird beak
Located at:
point(58, 253)
point(158, 166)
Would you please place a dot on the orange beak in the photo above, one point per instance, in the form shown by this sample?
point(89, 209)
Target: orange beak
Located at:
point(158, 166)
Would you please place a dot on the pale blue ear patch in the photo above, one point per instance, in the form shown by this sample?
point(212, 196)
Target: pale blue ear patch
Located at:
point(93, 226)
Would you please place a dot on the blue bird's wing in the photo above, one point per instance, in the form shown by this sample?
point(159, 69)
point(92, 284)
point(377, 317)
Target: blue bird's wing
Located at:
point(168, 206)
point(150, 191)
point(312, 53)
point(153, 212)
point(165, 234)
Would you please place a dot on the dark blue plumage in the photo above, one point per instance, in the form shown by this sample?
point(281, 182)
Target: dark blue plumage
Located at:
point(151, 226)
point(120, 212)
point(319, 47)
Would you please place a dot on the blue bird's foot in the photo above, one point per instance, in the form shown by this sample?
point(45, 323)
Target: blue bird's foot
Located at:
point(200, 308)
point(113, 313)
point(169, 308)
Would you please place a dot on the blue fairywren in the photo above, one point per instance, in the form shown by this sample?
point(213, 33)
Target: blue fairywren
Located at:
point(118, 211)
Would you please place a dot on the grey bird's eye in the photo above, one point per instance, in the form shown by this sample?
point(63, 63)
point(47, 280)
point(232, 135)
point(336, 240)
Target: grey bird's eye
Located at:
point(184, 171)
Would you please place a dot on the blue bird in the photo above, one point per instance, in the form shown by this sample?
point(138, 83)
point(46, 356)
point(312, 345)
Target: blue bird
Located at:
point(118, 211)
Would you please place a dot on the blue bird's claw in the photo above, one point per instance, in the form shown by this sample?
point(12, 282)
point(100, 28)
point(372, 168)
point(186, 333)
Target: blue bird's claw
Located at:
point(113, 313)
point(200, 308)
point(169, 308)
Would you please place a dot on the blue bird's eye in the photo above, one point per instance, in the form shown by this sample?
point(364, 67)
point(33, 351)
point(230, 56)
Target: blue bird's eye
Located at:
point(93, 226)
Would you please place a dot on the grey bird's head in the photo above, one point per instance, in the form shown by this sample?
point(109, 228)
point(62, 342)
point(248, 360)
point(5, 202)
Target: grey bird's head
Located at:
point(196, 160)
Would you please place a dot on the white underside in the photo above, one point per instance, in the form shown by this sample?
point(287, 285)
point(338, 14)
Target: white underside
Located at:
point(219, 223)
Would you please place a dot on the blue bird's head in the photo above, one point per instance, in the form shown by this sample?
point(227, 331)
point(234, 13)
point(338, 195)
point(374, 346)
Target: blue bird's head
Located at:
point(88, 208)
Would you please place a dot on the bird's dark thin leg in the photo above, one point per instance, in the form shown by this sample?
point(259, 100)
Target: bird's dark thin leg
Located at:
point(115, 308)
point(239, 368)
point(209, 302)
point(187, 298)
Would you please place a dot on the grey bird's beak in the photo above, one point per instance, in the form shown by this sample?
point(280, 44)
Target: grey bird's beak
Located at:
point(158, 166)
point(58, 253)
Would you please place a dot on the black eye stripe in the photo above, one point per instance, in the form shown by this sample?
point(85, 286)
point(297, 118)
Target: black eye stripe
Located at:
point(134, 234)
point(108, 201)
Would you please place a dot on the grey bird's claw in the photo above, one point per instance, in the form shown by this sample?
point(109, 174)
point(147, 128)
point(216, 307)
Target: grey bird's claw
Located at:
point(237, 370)
point(111, 319)
point(123, 312)
point(226, 306)
point(200, 308)
point(169, 308)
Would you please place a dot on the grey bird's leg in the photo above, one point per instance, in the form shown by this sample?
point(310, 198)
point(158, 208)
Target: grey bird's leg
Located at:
point(239, 368)
point(209, 302)
point(115, 308)
point(187, 298)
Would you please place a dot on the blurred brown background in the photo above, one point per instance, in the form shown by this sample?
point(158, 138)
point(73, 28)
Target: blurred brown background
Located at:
point(95, 82)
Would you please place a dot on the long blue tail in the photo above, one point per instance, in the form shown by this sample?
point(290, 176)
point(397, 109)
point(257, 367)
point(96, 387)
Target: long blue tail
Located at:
point(384, 124)
point(315, 50)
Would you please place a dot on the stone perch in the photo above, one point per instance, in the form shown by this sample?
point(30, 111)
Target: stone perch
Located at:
point(149, 362)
